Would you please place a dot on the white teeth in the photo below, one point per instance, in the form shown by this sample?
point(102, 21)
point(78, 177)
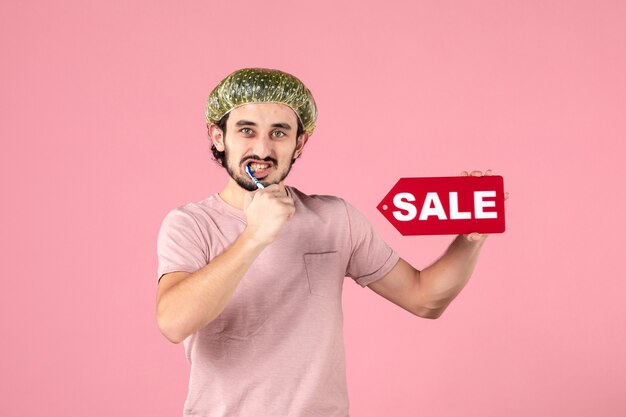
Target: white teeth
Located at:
point(257, 167)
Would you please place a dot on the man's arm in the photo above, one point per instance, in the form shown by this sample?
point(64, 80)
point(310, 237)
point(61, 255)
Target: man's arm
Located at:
point(196, 299)
point(428, 293)
point(187, 302)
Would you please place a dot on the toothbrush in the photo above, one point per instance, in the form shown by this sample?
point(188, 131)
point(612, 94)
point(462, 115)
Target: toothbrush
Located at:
point(250, 173)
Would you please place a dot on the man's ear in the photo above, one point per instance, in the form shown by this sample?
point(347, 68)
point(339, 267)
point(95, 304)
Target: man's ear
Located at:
point(300, 142)
point(217, 136)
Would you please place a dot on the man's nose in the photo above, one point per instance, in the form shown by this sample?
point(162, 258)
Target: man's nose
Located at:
point(262, 147)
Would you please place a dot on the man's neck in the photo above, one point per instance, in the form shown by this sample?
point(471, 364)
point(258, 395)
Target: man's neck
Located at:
point(233, 194)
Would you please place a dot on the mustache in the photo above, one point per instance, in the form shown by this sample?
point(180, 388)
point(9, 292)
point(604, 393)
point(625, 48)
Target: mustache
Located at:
point(268, 159)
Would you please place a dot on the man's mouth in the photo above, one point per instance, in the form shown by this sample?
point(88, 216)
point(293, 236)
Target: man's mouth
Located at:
point(260, 169)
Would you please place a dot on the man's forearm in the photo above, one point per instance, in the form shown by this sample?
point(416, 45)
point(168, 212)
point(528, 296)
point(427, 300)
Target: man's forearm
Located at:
point(195, 301)
point(443, 280)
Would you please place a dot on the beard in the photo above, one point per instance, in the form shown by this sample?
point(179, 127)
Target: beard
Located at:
point(244, 181)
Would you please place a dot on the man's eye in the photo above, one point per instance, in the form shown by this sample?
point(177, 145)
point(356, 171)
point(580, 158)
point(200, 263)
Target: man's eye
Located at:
point(246, 131)
point(279, 134)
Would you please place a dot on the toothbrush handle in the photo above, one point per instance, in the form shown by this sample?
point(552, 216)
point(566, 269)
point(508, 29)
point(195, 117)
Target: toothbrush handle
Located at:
point(251, 175)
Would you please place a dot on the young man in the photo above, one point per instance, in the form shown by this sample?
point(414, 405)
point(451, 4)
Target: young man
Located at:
point(251, 279)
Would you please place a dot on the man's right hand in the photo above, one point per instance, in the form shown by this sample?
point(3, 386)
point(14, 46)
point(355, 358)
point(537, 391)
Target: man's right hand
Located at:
point(188, 302)
point(267, 210)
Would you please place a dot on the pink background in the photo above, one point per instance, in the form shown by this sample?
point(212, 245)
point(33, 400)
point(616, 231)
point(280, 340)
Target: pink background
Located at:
point(102, 134)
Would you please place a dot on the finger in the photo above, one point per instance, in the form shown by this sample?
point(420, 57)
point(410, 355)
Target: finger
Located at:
point(285, 200)
point(273, 190)
point(464, 174)
point(277, 188)
point(473, 237)
point(476, 173)
point(287, 206)
point(506, 196)
point(488, 172)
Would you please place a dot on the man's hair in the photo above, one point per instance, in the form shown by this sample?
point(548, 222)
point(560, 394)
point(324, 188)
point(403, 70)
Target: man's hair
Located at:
point(219, 156)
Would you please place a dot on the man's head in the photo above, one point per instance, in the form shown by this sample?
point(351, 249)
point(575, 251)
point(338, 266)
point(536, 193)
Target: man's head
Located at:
point(261, 118)
point(219, 156)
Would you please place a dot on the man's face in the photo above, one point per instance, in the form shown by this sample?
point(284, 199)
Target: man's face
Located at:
point(262, 136)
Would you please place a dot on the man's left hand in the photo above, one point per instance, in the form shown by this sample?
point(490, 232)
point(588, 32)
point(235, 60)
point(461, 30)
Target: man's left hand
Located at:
point(475, 237)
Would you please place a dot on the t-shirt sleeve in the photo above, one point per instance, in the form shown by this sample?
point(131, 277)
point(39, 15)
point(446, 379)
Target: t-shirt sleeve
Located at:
point(371, 258)
point(180, 246)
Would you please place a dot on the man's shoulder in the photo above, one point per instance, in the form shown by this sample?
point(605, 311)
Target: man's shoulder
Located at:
point(196, 209)
point(331, 207)
point(316, 200)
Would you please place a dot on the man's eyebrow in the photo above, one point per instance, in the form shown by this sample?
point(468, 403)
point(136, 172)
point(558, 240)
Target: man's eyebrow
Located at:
point(245, 123)
point(282, 125)
point(285, 126)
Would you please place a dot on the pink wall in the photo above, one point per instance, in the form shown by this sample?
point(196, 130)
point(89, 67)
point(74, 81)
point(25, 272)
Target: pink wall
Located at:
point(102, 134)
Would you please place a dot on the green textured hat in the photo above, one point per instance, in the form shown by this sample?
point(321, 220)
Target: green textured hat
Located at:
point(260, 85)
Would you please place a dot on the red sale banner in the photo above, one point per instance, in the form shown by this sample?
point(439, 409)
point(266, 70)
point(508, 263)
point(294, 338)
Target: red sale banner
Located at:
point(446, 205)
